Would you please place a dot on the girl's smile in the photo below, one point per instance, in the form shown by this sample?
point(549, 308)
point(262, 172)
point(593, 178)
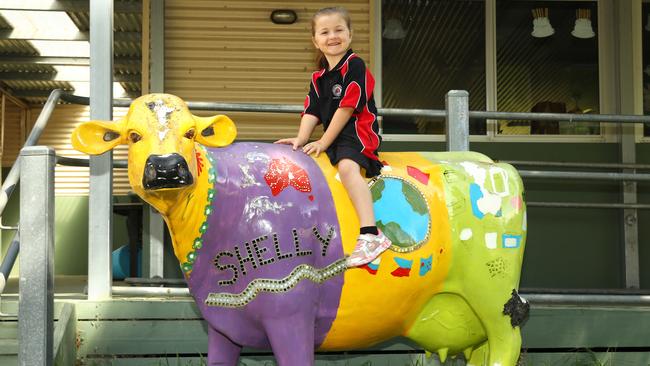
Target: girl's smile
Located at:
point(332, 37)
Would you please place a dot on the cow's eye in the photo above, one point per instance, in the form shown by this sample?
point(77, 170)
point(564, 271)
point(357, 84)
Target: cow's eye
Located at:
point(134, 137)
point(190, 133)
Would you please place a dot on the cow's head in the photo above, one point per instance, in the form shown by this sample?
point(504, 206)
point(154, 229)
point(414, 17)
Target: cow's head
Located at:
point(160, 132)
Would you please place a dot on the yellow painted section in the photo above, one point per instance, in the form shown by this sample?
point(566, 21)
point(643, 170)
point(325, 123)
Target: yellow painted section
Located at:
point(159, 124)
point(186, 218)
point(376, 307)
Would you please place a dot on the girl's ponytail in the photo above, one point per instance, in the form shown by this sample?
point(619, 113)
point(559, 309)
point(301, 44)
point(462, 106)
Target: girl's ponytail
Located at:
point(321, 61)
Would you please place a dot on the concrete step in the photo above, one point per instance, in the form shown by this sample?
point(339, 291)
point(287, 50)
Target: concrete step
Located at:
point(8, 347)
point(8, 342)
point(8, 330)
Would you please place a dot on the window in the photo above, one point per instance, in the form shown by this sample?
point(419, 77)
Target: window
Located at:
point(547, 61)
point(428, 48)
point(645, 39)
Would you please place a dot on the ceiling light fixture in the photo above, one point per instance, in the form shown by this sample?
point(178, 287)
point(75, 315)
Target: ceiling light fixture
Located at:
point(394, 29)
point(582, 28)
point(541, 24)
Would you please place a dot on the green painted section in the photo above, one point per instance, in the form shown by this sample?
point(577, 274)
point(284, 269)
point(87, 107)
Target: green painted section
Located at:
point(8, 328)
point(137, 337)
point(8, 360)
point(70, 233)
point(447, 321)
point(586, 358)
point(587, 327)
point(487, 232)
point(321, 360)
point(8, 347)
point(168, 332)
point(568, 248)
point(65, 336)
point(8, 341)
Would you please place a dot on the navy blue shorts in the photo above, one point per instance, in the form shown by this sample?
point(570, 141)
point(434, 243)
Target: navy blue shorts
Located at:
point(337, 152)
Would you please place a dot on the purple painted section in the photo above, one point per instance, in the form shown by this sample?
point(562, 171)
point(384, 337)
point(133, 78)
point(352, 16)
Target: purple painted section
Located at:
point(244, 209)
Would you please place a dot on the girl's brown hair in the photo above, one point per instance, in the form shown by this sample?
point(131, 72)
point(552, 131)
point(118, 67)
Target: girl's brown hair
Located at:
point(321, 61)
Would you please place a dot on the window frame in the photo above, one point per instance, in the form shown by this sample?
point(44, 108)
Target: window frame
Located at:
point(606, 45)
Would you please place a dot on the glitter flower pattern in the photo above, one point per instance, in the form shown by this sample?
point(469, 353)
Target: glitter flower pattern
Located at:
point(283, 173)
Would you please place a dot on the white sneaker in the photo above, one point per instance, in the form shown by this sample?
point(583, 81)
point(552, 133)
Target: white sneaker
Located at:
point(368, 248)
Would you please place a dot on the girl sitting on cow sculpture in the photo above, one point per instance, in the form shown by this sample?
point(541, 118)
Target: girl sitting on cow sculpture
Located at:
point(341, 97)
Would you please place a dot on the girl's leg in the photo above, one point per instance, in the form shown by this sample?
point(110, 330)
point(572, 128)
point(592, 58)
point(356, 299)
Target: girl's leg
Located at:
point(368, 246)
point(358, 191)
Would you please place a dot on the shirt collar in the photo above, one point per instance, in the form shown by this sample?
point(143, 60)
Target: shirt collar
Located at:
point(342, 61)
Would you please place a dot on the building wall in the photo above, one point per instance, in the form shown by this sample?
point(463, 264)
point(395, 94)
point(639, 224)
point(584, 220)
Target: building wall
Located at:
point(209, 58)
point(13, 123)
point(226, 51)
point(73, 181)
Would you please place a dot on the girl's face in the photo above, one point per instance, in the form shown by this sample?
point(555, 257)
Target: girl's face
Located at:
point(332, 35)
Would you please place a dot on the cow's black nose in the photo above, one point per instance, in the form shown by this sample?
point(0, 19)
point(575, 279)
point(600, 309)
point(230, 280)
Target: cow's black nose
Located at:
point(166, 171)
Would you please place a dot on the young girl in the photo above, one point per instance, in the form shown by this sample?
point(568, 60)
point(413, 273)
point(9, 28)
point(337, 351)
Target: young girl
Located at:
point(341, 97)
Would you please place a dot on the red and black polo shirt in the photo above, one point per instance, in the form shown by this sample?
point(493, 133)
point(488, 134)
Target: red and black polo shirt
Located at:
point(348, 84)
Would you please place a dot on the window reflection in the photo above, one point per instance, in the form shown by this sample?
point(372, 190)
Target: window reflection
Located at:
point(428, 48)
point(547, 61)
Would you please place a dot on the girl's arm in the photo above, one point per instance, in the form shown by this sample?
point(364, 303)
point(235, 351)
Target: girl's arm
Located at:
point(307, 125)
point(340, 118)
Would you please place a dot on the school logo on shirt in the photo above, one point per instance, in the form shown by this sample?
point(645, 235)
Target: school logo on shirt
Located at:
point(337, 89)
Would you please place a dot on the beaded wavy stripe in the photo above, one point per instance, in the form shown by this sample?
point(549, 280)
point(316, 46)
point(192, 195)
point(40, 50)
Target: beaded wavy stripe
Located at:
point(301, 272)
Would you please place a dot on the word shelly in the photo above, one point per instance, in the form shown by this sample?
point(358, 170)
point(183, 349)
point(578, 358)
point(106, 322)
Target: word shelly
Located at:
point(256, 254)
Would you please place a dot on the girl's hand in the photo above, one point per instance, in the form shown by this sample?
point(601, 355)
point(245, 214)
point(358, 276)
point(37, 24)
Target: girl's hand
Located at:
point(314, 147)
point(293, 141)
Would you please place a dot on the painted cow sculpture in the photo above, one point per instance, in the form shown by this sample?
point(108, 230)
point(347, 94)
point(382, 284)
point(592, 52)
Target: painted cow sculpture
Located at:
point(261, 233)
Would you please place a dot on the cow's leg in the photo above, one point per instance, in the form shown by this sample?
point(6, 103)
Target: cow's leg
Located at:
point(479, 356)
point(504, 340)
point(221, 350)
point(292, 340)
point(504, 346)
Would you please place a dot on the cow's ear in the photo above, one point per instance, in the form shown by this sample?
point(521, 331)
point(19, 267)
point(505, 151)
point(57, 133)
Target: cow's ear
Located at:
point(97, 137)
point(215, 131)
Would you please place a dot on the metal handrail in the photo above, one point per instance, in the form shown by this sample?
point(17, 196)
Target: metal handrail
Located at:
point(597, 298)
point(81, 162)
point(637, 206)
point(584, 175)
point(568, 117)
point(532, 174)
point(12, 178)
point(567, 164)
point(250, 107)
point(14, 175)
point(394, 112)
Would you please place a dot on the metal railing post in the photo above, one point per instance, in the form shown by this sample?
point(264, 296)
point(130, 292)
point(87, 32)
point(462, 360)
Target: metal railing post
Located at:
point(153, 243)
point(100, 206)
point(457, 124)
point(36, 286)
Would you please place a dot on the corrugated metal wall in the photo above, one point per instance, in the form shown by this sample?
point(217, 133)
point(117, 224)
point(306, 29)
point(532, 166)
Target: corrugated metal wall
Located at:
point(227, 51)
point(13, 136)
point(73, 181)
point(219, 51)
